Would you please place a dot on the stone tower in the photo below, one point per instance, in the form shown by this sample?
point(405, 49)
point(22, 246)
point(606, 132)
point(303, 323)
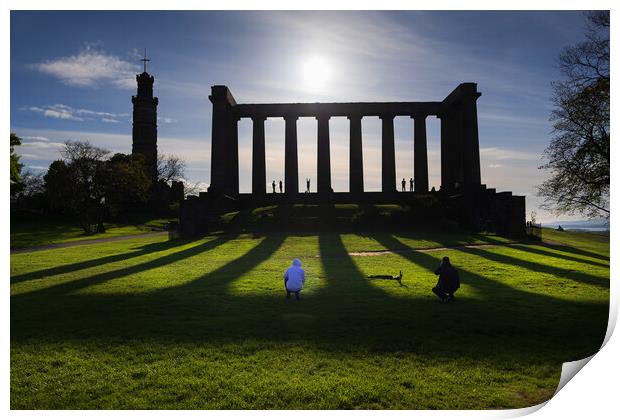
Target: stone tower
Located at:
point(144, 134)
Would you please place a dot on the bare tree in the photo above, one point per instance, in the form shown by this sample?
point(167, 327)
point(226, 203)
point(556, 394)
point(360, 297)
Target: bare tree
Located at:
point(192, 188)
point(170, 168)
point(578, 156)
point(33, 184)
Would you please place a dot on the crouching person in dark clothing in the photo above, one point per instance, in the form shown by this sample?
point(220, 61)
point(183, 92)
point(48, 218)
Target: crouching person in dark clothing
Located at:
point(449, 281)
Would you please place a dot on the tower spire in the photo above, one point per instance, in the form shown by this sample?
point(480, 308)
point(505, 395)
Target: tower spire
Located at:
point(145, 60)
point(144, 135)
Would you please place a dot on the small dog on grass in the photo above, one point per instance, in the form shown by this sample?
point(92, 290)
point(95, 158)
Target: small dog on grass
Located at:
point(398, 278)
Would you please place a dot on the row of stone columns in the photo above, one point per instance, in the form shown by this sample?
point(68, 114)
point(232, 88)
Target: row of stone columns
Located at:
point(356, 168)
point(460, 156)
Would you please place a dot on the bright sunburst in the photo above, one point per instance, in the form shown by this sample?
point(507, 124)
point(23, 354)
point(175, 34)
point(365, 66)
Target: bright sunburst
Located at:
point(316, 73)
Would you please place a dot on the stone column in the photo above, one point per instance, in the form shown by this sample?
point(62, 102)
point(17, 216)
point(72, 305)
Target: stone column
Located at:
point(291, 177)
point(221, 168)
point(420, 154)
point(446, 182)
point(356, 166)
point(388, 163)
point(324, 178)
point(471, 152)
point(258, 155)
point(233, 163)
point(456, 131)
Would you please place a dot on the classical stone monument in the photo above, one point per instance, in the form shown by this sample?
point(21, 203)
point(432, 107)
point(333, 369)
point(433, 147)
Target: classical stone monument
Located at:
point(144, 133)
point(462, 193)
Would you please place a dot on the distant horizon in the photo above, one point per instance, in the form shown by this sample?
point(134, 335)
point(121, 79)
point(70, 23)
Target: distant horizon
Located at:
point(77, 85)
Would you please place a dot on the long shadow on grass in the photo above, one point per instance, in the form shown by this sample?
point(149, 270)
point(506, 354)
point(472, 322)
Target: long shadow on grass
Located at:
point(548, 251)
point(347, 314)
point(344, 279)
point(216, 283)
point(510, 315)
point(539, 268)
point(71, 286)
point(532, 265)
point(541, 247)
point(579, 251)
point(194, 310)
point(82, 265)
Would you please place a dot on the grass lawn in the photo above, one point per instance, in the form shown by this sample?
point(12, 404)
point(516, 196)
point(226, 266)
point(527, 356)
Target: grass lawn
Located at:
point(148, 323)
point(29, 233)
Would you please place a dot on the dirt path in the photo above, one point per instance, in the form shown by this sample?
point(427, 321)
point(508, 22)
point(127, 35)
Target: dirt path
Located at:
point(86, 242)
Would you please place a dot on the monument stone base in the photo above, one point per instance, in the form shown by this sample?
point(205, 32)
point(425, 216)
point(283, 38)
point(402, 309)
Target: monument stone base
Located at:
point(476, 209)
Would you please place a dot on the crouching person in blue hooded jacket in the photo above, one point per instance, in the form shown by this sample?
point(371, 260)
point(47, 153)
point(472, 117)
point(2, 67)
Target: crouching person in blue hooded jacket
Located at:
point(294, 278)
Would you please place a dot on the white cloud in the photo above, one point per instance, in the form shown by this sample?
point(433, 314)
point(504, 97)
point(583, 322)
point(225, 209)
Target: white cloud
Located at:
point(41, 145)
point(514, 119)
point(83, 111)
point(195, 151)
point(166, 120)
point(54, 111)
point(66, 112)
point(91, 68)
point(35, 138)
point(496, 165)
point(496, 153)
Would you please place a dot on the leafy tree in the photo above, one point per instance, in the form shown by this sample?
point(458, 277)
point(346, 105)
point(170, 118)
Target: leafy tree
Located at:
point(74, 185)
point(58, 187)
point(126, 183)
point(578, 155)
point(89, 187)
point(16, 166)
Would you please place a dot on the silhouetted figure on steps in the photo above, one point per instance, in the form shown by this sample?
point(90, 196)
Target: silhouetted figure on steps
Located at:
point(411, 184)
point(273, 185)
point(404, 184)
point(280, 186)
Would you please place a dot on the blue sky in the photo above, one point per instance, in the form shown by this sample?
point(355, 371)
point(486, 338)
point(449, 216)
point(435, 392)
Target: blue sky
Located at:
point(73, 74)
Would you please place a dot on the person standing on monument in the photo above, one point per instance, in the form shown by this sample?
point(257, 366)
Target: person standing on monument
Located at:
point(411, 184)
point(307, 185)
point(280, 186)
point(273, 185)
point(294, 279)
point(404, 184)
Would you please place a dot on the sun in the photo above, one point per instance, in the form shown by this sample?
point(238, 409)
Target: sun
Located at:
point(316, 73)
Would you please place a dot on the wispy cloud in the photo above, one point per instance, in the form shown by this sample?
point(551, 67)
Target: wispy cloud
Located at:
point(505, 119)
point(91, 68)
point(66, 112)
point(35, 138)
point(497, 153)
point(57, 111)
point(195, 150)
point(166, 120)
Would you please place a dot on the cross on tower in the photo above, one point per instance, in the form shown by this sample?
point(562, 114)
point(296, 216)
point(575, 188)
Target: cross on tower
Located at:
point(145, 60)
